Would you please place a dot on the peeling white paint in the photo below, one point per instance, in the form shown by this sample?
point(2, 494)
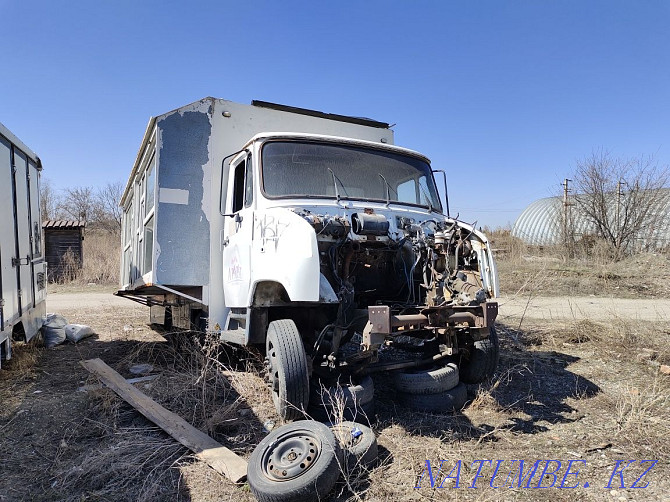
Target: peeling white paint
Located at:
point(173, 196)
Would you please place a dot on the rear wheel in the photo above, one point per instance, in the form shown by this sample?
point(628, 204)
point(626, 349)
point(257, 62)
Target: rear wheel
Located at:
point(483, 359)
point(287, 369)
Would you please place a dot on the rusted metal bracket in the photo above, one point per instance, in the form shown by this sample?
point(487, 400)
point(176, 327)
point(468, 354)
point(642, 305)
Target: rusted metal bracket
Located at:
point(474, 316)
point(383, 322)
point(371, 340)
point(479, 316)
point(491, 313)
point(380, 319)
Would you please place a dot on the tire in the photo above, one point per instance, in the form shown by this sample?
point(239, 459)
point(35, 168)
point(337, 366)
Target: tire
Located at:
point(427, 380)
point(352, 394)
point(294, 463)
point(483, 361)
point(287, 369)
point(363, 413)
point(359, 449)
point(447, 401)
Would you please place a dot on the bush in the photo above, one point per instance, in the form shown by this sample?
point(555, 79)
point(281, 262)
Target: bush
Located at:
point(102, 252)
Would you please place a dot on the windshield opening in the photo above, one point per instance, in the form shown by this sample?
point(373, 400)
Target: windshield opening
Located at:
point(294, 168)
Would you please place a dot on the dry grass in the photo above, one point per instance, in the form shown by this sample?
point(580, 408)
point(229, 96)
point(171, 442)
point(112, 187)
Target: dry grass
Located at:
point(589, 269)
point(619, 338)
point(564, 389)
point(556, 395)
point(643, 416)
point(24, 359)
point(549, 273)
point(138, 461)
point(102, 254)
point(354, 481)
point(133, 457)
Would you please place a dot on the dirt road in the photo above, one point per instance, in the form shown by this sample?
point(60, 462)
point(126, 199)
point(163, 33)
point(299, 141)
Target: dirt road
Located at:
point(583, 307)
point(84, 300)
point(560, 307)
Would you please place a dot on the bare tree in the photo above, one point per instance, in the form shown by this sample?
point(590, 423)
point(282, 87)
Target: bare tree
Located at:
point(49, 200)
point(624, 199)
point(108, 212)
point(98, 207)
point(78, 203)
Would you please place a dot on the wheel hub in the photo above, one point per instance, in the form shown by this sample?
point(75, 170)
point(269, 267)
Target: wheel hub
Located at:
point(273, 377)
point(291, 455)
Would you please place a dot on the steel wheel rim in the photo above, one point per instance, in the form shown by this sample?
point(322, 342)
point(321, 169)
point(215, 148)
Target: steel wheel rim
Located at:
point(290, 455)
point(273, 369)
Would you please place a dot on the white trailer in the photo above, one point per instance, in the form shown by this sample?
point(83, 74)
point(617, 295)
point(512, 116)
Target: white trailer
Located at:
point(309, 235)
point(22, 265)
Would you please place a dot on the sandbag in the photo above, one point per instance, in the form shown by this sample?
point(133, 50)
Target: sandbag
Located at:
point(77, 332)
point(54, 330)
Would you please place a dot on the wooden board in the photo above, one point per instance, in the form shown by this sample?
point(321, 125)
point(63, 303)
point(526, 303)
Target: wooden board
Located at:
point(217, 456)
point(86, 388)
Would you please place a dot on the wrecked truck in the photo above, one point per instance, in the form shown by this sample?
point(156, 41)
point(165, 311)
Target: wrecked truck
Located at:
point(312, 237)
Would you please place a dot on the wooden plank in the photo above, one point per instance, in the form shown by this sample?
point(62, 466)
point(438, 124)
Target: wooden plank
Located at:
point(86, 388)
point(217, 456)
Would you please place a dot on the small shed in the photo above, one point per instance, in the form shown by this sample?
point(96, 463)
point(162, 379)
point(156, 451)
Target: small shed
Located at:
point(63, 247)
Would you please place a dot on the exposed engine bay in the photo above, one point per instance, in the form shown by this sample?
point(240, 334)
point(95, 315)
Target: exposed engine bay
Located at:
point(411, 284)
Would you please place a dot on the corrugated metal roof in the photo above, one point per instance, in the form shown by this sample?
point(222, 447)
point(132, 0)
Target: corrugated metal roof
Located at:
point(63, 224)
point(540, 224)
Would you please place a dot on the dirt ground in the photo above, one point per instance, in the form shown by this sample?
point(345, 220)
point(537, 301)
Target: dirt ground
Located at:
point(562, 308)
point(579, 380)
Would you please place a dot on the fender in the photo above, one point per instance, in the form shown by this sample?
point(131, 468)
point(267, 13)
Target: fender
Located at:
point(284, 250)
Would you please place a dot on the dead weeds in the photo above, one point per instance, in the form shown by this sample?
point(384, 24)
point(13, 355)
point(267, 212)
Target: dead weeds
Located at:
point(133, 457)
point(645, 275)
point(565, 389)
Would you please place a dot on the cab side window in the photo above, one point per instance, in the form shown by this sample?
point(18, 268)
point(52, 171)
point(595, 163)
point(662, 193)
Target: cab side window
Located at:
point(248, 184)
point(238, 186)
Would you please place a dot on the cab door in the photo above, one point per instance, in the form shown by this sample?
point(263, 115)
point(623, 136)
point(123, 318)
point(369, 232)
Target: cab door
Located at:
point(238, 233)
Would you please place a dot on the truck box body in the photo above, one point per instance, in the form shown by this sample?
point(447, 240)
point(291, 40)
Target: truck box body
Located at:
point(22, 265)
point(173, 229)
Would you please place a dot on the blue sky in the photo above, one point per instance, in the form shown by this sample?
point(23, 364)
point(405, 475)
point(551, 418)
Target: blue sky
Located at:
point(505, 95)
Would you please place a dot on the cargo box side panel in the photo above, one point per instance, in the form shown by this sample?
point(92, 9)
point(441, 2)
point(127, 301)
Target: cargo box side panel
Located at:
point(137, 225)
point(38, 266)
point(24, 230)
point(8, 289)
point(182, 225)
